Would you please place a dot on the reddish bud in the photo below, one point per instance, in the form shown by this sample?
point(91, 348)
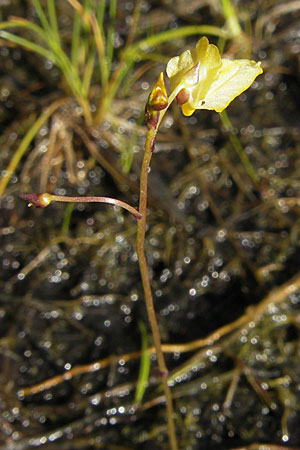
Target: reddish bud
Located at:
point(157, 101)
point(158, 98)
point(182, 97)
point(38, 200)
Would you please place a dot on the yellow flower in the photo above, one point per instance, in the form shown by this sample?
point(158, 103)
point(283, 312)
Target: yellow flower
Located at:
point(202, 80)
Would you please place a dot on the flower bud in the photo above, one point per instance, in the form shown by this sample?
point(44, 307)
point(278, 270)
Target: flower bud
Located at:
point(38, 200)
point(182, 97)
point(157, 101)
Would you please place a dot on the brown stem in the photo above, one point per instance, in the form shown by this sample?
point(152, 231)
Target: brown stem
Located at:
point(140, 244)
point(43, 200)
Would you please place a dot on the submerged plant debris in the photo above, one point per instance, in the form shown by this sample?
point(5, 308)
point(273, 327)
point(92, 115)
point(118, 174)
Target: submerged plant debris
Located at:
point(222, 241)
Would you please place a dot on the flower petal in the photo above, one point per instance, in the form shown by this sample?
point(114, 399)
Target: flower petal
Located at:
point(233, 78)
point(208, 54)
point(207, 81)
point(187, 109)
point(178, 63)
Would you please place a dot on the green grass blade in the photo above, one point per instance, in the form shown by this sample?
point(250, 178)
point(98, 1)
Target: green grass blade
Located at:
point(67, 218)
point(231, 18)
point(54, 45)
point(239, 149)
point(99, 41)
point(100, 12)
point(41, 15)
point(144, 365)
point(99, 16)
point(134, 24)
point(69, 73)
point(23, 23)
point(53, 18)
point(57, 56)
point(168, 35)
point(33, 130)
point(75, 39)
point(89, 18)
point(111, 33)
point(27, 44)
point(71, 76)
point(127, 155)
point(88, 73)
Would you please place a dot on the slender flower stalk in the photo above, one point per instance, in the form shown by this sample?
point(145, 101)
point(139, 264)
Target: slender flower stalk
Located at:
point(43, 200)
point(158, 101)
point(140, 244)
point(199, 79)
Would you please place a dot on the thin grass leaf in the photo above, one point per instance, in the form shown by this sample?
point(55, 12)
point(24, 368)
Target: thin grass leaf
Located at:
point(231, 18)
point(17, 22)
point(31, 133)
point(100, 9)
point(53, 41)
point(53, 18)
point(119, 76)
point(75, 39)
point(69, 71)
point(238, 148)
point(127, 155)
point(42, 17)
point(152, 56)
point(78, 7)
point(28, 45)
point(79, 44)
point(86, 43)
point(90, 19)
point(221, 44)
point(133, 27)
point(88, 5)
point(111, 33)
point(67, 218)
point(74, 83)
point(88, 10)
point(57, 56)
point(137, 74)
point(168, 35)
point(88, 73)
point(53, 45)
point(144, 365)
point(98, 36)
